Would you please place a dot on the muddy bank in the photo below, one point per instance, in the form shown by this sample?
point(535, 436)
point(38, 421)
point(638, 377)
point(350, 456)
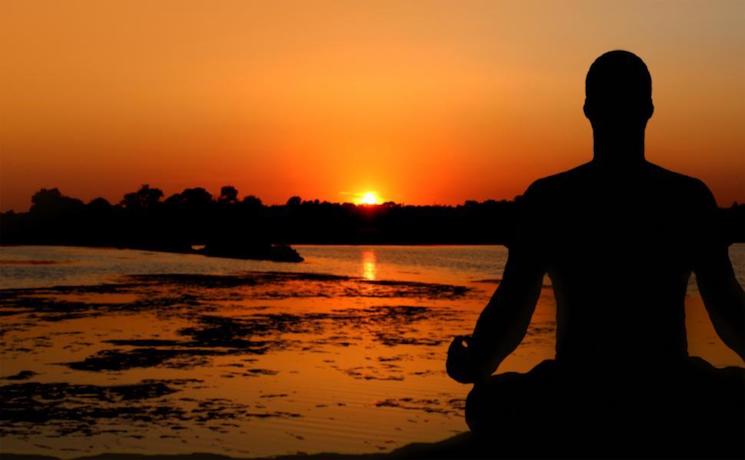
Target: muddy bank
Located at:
point(63, 409)
point(258, 334)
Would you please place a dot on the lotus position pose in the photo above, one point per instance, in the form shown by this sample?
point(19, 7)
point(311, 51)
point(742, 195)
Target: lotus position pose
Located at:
point(619, 238)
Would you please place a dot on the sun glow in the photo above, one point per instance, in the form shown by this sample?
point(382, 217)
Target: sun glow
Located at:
point(369, 198)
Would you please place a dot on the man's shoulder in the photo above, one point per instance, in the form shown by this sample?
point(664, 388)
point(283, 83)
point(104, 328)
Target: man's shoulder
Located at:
point(681, 184)
point(578, 177)
point(556, 182)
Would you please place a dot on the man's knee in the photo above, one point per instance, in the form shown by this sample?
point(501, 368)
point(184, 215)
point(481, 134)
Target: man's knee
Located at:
point(490, 405)
point(474, 408)
point(504, 400)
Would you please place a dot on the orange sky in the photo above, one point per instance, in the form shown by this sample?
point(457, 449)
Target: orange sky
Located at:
point(421, 101)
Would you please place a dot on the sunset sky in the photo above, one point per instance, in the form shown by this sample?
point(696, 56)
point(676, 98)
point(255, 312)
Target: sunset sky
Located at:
point(419, 101)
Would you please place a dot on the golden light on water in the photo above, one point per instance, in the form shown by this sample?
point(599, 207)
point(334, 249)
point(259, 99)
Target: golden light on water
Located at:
point(369, 265)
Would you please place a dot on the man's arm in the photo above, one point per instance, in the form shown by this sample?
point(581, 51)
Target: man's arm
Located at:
point(503, 323)
point(723, 297)
point(722, 294)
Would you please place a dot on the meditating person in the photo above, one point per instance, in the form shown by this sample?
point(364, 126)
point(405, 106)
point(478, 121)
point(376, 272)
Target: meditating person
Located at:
point(619, 238)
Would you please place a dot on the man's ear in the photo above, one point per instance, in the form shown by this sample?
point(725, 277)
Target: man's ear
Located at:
point(586, 109)
point(650, 110)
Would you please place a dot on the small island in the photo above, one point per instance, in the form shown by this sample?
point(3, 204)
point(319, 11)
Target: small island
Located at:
point(190, 222)
point(240, 250)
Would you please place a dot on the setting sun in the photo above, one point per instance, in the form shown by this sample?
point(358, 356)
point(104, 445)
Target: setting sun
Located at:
point(369, 198)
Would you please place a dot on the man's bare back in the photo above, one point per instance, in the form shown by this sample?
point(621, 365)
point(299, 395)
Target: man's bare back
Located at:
point(619, 247)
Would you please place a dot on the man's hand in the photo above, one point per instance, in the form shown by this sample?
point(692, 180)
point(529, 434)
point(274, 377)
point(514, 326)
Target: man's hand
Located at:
point(502, 324)
point(464, 363)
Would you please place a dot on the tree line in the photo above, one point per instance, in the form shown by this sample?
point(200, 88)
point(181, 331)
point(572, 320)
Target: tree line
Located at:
point(232, 226)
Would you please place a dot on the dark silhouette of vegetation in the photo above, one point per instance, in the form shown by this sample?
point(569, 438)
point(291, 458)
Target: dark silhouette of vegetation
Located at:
point(228, 226)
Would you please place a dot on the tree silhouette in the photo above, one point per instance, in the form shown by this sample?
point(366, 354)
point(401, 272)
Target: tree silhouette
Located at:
point(228, 194)
point(248, 228)
point(144, 198)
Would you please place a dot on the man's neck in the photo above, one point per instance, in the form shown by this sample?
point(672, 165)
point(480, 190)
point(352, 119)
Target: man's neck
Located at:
point(618, 148)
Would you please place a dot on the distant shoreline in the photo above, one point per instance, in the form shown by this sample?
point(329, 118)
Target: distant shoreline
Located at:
point(285, 255)
point(272, 253)
point(303, 244)
point(226, 226)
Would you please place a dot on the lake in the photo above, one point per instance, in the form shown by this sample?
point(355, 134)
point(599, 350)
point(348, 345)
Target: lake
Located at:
point(107, 350)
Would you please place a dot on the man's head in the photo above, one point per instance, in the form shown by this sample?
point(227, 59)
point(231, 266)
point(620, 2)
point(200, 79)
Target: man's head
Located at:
point(618, 91)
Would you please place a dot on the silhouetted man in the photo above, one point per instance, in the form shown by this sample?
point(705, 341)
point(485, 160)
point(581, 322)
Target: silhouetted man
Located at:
point(619, 238)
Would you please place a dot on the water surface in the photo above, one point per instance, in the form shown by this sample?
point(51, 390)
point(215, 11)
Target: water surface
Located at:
point(108, 350)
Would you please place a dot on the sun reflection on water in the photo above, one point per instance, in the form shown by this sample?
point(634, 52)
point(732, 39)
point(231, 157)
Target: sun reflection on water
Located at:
point(369, 264)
